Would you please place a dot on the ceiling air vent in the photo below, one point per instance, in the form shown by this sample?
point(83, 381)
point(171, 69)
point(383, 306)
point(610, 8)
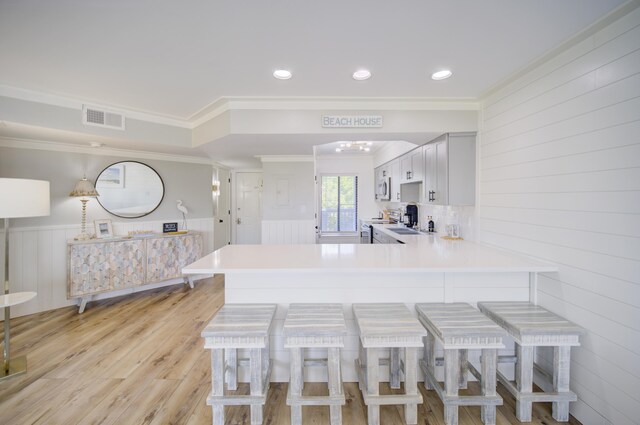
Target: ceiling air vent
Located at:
point(102, 118)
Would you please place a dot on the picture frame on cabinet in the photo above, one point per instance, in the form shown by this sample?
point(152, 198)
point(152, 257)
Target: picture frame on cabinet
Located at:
point(104, 229)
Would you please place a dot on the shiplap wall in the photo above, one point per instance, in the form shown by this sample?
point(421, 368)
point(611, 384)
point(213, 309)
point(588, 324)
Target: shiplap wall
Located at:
point(288, 232)
point(560, 180)
point(38, 260)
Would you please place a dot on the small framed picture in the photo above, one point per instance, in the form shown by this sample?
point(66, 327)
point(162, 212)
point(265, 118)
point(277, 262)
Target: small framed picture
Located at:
point(103, 229)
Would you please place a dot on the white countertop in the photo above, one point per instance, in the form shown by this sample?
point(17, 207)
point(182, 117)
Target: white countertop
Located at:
point(421, 253)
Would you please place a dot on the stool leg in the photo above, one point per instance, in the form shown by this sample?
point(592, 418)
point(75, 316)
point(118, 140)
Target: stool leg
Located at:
point(464, 368)
point(335, 384)
point(451, 382)
point(411, 384)
point(296, 383)
point(232, 368)
point(429, 358)
point(394, 367)
point(266, 363)
point(524, 380)
point(362, 384)
point(561, 366)
point(256, 385)
point(489, 367)
point(373, 385)
point(217, 383)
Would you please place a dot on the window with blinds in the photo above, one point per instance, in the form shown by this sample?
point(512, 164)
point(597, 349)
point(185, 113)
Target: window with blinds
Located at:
point(339, 204)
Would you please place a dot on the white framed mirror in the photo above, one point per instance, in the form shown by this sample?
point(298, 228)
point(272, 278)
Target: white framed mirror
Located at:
point(129, 189)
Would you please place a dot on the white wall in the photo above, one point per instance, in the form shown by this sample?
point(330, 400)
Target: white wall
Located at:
point(288, 203)
point(560, 180)
point(287, 192)
point(393, 149)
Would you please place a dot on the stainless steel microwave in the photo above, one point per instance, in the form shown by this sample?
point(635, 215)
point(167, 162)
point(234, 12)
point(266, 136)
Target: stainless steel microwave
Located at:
point(384, 189)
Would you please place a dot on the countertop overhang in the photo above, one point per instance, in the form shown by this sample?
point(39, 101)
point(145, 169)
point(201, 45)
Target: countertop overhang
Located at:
point(425, 253)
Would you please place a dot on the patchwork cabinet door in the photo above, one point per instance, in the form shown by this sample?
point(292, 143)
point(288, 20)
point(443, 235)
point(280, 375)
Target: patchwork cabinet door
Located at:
point(127, 264)
point(89, 269)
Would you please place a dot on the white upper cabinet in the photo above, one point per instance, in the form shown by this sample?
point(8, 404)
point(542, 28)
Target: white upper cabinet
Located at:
point(411, 165)
point(450, 169)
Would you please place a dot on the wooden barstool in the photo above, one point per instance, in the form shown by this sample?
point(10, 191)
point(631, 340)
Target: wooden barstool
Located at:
point(390, 326)
point(315, 326)
point(239, 326)
point(460, 328)
point(532, 326)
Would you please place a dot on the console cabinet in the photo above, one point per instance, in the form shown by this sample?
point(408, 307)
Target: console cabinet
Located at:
point(97, 266)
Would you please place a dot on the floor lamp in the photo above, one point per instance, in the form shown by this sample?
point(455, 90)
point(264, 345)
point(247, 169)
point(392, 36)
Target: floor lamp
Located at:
point(18, 198)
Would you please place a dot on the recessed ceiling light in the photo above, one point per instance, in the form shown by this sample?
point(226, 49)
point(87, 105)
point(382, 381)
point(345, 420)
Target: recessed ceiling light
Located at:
point(96, 144)
point(362, 74)
point(282, 74)
point(441, 75)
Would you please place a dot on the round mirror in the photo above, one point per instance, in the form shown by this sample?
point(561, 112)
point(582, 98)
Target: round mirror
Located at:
point(129, 189)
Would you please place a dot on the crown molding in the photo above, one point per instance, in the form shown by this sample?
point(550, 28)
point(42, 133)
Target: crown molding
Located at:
point(224, 104)
point(285, 158)
point(9, 142)
point(73, 103)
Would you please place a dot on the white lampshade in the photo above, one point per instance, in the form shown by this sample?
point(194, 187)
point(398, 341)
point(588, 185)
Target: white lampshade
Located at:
point(23, 198)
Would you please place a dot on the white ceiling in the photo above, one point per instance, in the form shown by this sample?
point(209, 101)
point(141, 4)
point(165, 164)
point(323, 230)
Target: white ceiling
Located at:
point(173, 58)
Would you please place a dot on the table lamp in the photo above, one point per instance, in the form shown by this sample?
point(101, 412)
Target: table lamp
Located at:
point(18, 198)
point(84, 190)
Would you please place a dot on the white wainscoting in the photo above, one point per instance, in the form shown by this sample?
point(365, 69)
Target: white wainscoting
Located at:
point(38, 260)
point(560, 180)
point(288, 232)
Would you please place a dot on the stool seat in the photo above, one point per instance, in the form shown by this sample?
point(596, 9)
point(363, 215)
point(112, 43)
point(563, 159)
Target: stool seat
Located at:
point(459, 327)
point(239, 326)
point(241, 320)
point(532, 326)
point(391, 326)
point(387, 325)
point(315, 326)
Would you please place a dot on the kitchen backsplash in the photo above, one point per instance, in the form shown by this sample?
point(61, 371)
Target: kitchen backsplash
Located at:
point(440, 214)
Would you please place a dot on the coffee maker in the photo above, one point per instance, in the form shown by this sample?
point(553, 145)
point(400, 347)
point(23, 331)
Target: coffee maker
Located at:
point(411, 215)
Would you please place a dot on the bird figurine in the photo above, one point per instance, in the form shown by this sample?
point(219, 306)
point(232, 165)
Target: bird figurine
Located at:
point(184, 212)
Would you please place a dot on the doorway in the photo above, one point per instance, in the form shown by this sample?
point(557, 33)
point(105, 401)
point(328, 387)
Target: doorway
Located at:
point(222, 216)
point(248, 208)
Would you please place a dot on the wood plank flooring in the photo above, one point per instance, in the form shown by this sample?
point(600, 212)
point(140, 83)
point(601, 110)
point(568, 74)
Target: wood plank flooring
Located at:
point(139, 359)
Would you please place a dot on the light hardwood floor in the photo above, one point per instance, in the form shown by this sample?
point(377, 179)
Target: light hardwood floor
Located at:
point(139, 359)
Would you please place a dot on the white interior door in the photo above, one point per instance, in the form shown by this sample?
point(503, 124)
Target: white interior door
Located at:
point(222, 223)
point(248, 208)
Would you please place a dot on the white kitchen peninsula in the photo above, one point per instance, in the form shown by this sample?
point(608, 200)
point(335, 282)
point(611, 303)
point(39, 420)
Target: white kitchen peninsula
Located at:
point(424, 269)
